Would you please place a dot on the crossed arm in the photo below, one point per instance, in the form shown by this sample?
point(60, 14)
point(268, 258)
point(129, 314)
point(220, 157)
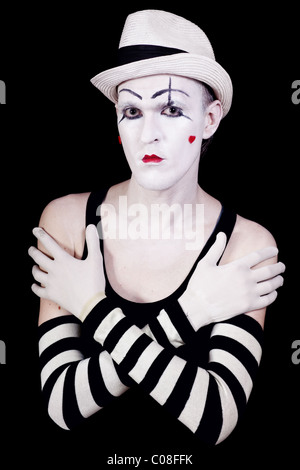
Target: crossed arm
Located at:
point(76, 387)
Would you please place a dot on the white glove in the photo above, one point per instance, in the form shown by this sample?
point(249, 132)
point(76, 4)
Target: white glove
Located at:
point(217, 293)
point(76, 285)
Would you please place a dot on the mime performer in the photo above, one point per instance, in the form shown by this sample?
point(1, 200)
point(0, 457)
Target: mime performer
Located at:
point(151, 314)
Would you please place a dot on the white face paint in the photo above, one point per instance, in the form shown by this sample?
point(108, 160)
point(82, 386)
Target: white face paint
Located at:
point(161, 124)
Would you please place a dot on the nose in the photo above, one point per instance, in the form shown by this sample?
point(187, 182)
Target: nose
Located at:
point(150, 131)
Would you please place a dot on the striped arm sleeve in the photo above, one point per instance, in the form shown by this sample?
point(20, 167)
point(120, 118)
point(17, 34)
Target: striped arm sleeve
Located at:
point(171, 326)
point(74, 387)
point(208, 401)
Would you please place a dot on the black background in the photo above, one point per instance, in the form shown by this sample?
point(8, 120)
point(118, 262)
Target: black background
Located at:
point(59, 136)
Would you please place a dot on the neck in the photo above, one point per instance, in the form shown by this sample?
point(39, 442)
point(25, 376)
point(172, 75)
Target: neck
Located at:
point(170, 213)
point(178, 194)
point(176, 213)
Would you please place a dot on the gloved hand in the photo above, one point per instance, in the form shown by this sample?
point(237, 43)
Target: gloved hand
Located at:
point(217, 293)
point(76, 285)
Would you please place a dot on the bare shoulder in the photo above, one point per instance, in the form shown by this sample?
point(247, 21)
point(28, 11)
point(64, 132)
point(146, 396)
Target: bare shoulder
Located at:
point(64, 219)
point(247, 236)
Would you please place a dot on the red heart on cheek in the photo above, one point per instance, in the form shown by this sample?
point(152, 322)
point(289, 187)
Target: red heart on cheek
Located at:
point(192, 138)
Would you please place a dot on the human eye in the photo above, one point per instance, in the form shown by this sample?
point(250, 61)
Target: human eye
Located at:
point(172, 111)
point(131, 113)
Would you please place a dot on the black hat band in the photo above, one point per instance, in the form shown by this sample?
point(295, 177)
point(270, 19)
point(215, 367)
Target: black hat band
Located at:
point(130, 54)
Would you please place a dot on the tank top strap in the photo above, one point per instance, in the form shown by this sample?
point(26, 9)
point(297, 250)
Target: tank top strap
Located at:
point(92, 209)
point(92, 215)
point(225, 223)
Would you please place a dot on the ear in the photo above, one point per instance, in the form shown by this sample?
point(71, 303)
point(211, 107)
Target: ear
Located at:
point(213, 116)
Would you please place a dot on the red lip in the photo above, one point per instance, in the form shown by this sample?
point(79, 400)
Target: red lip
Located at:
point(152, 159)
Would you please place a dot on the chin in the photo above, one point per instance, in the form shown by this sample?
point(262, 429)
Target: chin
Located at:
point(156, 183)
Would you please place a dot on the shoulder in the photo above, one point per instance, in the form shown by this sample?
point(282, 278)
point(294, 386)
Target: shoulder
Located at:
point(62, 206)
point(247, 236)
point(64, 219)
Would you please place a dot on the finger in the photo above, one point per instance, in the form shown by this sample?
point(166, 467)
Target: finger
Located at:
point(92, 240)
point(39, 291)
point(268, 272)
point(269, 286)
point(266, 300)
point(39, 275)
point(48, 242)
point(256, 257)
point(40, 258)
point(215, 252)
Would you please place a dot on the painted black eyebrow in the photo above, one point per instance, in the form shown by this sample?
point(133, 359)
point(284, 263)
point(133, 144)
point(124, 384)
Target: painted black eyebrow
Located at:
point(168, 90)
point(132, 92)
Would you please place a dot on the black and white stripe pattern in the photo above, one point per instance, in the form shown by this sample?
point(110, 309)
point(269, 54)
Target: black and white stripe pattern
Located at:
point(74, 387)
point(207, 400)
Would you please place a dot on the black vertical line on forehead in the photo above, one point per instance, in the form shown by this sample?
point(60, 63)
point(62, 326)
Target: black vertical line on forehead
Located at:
point(169, 93)
point(168, 90)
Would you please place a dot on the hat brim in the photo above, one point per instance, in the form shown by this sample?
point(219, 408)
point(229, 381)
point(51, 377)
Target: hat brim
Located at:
point(187, 65)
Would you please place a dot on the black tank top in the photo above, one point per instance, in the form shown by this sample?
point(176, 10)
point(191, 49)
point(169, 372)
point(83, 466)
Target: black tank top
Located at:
point(225, 223)
point(130, 419)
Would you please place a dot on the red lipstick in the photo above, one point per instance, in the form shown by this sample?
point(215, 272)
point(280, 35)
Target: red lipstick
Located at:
point(152, 159)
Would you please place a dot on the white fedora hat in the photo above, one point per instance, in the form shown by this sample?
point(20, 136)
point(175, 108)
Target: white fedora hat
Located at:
point(157, 42)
